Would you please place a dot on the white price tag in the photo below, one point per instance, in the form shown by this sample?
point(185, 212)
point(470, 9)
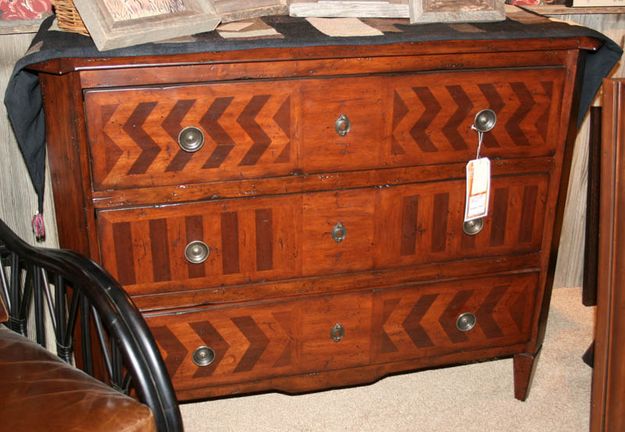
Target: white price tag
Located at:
point(478, 188)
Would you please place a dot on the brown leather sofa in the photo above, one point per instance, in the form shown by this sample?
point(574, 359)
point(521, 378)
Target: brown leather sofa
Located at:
point(42, 392)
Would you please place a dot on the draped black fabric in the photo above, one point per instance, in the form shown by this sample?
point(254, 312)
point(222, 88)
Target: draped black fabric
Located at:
point(23, 95)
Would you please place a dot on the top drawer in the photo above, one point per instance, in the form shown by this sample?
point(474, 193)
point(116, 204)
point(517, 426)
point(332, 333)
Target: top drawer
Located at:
point(272, 128)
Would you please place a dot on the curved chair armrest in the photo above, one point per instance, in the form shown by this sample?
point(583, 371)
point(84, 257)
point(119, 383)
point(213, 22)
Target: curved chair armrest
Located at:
point(82, 299)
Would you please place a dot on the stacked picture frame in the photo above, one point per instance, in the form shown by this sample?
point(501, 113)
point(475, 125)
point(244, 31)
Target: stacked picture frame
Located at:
point(120, 23)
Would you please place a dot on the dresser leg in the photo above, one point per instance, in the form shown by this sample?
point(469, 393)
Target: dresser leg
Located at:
point(524, 365)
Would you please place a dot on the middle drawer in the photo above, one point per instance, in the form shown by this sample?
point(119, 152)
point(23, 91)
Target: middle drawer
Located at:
point(208, 244)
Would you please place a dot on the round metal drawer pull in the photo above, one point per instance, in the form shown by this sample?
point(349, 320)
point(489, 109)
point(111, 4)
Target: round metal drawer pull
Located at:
point(337, 333)
point(485, 120)
point(339, 232)
point(191, 139)
point(203, 356)
point(197, 252)
point(473, 227)
point(343, 125)
point(466, 322)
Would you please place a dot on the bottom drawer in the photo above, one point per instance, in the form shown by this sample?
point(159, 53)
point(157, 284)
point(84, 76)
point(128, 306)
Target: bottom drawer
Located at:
point(250, 342)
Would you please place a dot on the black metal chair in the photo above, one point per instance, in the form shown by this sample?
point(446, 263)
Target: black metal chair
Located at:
point(81, 298)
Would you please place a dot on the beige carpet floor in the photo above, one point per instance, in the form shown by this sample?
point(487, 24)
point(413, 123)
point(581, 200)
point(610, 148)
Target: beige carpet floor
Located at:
point(477, 397)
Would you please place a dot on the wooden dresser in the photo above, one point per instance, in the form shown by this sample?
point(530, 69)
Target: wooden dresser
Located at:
point(291, 219)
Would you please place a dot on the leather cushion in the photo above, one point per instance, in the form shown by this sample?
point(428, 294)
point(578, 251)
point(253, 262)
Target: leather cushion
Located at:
point(40, 392)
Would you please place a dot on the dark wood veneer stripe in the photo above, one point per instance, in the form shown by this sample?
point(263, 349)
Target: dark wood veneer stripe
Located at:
point(264, 239)
point(257, 339)
point(451, 313)
point(419, 131)
point(542, 124)
point(284, 319)
point(496, 103)
point(230, 242)
point(439, 222)
point(485, 317)
point(500, 216)
point(463, 107)
point(412, 323)
point(173, 126)
point(175, 351)
point(122, 239)
point(210, 124)
point(247, 120)
point(134, 129)
point(160, 250)
point(194, 226)
point(527, 213)
point(386, 344)
point(410, 211)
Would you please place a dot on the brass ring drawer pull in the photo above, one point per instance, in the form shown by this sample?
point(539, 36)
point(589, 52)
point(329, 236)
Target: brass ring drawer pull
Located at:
point(191, 139)
point(473, 227)
point(342, 125)
point(337, 333)
point(466, 322)
point(197, 252)
point(339, 232)
point(203, 356)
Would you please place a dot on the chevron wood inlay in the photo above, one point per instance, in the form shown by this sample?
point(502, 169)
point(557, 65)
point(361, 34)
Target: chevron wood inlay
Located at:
point(258, 342)
point(210, 123)
point(135, 130)
point(432, 117)
point(248, 122)
point(173, 125)
point(464, 107)
point(419, 131)
point(422, 321)
point(212, 339)
point(412, 323)
point(246, 132)
point(447, 319)
point(247, 344)
point(174, 351)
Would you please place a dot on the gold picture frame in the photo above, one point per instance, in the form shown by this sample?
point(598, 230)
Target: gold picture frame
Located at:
point(456, 11)
point(121, 23)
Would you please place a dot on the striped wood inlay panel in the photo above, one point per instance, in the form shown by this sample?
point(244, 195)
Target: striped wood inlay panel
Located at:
point(291, 236)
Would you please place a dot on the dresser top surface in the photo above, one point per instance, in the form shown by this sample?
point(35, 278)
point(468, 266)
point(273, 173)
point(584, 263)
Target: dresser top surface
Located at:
point(293, 34)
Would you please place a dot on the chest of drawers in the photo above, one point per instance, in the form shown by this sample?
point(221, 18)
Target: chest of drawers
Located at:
point(291, 219)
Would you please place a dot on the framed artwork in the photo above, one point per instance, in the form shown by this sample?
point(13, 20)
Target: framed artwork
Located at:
point(234, 10)
point(350, 8)
point(456, 11)
point(120, 23)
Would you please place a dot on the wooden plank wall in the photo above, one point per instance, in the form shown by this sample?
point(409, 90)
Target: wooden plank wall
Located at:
point(18, 202)
point(569, 270)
